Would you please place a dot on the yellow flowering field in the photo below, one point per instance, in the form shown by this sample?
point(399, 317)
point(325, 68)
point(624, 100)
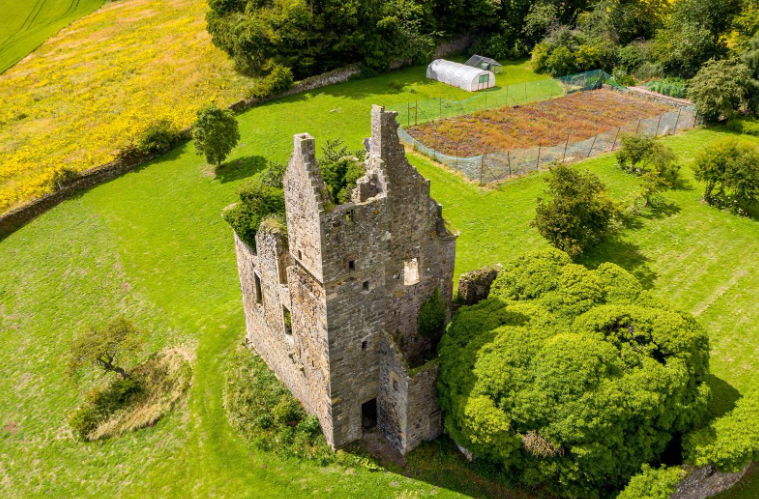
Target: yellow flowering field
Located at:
point(85, 94)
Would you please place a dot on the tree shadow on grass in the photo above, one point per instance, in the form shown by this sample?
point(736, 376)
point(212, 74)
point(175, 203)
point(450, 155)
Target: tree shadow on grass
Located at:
point(240, 168)
point(724, 396)
point(625, 254)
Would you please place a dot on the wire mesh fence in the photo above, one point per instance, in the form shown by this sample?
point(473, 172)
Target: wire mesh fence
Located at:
point(498, 165)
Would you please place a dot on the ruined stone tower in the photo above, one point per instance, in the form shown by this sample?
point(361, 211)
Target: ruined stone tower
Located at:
point(326, 302)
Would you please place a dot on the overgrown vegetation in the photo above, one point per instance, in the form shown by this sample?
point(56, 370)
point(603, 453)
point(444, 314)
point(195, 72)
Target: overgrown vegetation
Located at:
point(265, 412)
point(340, 169)
point(579, 213)
point(148, 393)
point(570, 377)
point(730, 442)
point(432, 315)
point(653, 483)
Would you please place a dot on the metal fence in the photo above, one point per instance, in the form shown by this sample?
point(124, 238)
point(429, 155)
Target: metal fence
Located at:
point(499, 165)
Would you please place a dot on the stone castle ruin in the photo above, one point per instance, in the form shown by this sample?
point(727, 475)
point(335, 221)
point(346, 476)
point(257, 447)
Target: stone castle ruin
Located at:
point(332, 304)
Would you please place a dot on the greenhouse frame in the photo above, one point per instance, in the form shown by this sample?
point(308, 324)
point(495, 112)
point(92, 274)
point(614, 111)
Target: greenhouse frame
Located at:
point(478, 61)
point(460, 75)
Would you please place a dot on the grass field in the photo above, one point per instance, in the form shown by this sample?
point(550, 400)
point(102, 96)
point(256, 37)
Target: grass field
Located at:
point(576, 117)
point(28, 23)
point(152, 245)
point(89, 91)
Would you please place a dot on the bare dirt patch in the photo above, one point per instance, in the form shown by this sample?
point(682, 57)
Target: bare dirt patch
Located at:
point(576, 117)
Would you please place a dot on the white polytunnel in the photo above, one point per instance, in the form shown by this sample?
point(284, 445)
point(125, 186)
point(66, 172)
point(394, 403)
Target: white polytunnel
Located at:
point(460, 75)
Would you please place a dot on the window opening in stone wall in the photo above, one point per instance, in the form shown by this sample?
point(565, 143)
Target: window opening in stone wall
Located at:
point(364, 344)
point(411, 272)
point(282, 272)
point(366, 285)
point(300, 255)
point(369, 414)
point(259, 293)
point(288, 320)
point(395, 385)
point(352, 265)
point(350, 215)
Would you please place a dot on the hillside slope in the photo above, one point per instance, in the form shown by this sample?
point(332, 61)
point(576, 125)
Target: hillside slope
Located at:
point(27, 24)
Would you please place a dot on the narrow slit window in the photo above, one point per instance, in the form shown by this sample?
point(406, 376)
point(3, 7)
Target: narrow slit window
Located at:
point(282, 272)
point(288, 321)
point(352, 265)
point(364, 344)
point(300, 255)
point(259, 293)
point(366, 285)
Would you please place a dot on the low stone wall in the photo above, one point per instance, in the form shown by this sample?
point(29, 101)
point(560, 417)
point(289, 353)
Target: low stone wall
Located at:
point(705, 482)
point(475, 285)
point(14, 219)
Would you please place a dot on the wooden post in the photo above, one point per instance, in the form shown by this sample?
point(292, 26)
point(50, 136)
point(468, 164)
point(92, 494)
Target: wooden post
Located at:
point(637, 128)
point(508, 155)
point(566, 146)
point(593, 144)
point(537, 167)
point(656, 134)
point(482, 163)
point(615, 139)
point(679, 112)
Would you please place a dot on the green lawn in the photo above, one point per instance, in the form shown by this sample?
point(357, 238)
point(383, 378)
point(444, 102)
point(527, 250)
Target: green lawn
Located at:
point(152, 245)
point(28, 23)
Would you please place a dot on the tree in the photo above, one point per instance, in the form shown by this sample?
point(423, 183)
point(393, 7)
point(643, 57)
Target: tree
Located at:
point(723, 89)
point(110, 348)
point(572, 378)
point(340, 170)
point(730, 170)
point(215, 134)
point(652, 160)
point(654, 483)
point(579, 213)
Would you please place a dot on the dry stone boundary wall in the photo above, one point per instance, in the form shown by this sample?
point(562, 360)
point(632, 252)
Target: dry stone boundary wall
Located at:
point(16, 218)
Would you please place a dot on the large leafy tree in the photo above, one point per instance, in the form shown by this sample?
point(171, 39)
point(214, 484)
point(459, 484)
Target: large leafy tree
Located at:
point(578, 214)
point(571, 378)
point(652, 160)
point(730, 171)
point(215, 134)
point(722, 89)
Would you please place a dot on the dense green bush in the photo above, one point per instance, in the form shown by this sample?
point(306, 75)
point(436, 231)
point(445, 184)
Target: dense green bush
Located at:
point(340, 169)
point(158, 137)
point(257, 203)
point(277, 81)
point(729, 442)
point(723, 89)
point(432, 315)
point(99, 405)
point(578, 214)
point(673, 87)
point(570, 377)
point(744, 125)
point(730, 171)
point(653, 483)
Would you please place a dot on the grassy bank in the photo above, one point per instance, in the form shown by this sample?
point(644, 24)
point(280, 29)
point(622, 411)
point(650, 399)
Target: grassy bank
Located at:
point(152, 245)
point(28, 24)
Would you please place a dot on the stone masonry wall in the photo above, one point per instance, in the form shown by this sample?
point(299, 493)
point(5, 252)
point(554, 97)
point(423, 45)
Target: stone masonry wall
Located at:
point(408, 407)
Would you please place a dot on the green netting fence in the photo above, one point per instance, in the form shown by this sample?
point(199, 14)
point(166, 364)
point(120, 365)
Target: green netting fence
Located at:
point(499, 165)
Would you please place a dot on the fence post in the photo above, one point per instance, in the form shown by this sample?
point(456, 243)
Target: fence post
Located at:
point(482, 166)
point(615, 139)
point(566, 146)
point(593, 144)
point(679, 111)
point(656, 134)
point(637, 128)
point(537, 167)
point(508, 156)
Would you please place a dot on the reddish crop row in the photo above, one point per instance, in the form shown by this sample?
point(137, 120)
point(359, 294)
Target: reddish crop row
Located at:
point(576, 117)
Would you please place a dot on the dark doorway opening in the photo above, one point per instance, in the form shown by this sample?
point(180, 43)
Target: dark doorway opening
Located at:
point(369, 414)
